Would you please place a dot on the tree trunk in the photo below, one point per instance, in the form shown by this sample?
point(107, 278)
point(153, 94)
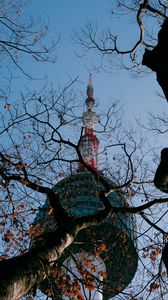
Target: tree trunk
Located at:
point(18, 275)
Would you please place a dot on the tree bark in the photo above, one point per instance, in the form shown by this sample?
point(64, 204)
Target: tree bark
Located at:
point(18, 275)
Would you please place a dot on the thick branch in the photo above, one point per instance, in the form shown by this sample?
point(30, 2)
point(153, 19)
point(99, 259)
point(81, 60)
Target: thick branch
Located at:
point(140, 208)
point(58, 210)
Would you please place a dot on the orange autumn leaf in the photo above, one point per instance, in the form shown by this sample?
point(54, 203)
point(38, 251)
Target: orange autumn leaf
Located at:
point(49, 293)
point(50, 210)
point(83, 273)
point(25, 182)
point(19, 207)
point(103, 274)
point(154, 286)
point(7, 106)
point(89, 284)
point(102, 247)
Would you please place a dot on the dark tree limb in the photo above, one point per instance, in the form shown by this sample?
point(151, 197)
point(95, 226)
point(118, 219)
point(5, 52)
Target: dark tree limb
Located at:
point(157, 59)
point(161, 175)
point(165, 256)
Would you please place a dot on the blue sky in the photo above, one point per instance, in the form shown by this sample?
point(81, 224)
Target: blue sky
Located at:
point(137, 94)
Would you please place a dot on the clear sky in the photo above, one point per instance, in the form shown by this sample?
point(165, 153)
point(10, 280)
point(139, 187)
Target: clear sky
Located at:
point(137, 94)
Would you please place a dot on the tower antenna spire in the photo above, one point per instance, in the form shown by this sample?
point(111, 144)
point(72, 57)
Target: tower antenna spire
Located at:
point(90, 87)
point(89, 143)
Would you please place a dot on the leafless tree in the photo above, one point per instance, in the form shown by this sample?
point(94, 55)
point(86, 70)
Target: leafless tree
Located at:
point(37, 150)
point(22, 36)
point(149, 19)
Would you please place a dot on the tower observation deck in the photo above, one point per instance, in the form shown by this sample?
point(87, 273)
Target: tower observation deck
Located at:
point(79, 195)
